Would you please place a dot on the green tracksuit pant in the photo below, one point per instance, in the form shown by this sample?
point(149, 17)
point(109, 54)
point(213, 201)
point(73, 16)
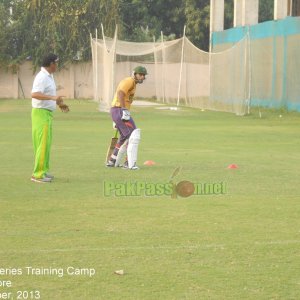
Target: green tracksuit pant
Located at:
point(42, 139)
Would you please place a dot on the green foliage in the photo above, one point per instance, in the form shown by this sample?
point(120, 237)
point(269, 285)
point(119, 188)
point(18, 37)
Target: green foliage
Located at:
point(228, 13)
point(63, 27)
point(36, 27)
point(6, 34)
point(197, 22)
point(266, 9)
point(154, 16)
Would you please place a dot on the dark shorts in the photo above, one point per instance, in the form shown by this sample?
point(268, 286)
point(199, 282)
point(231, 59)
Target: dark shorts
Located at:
point(125, 127)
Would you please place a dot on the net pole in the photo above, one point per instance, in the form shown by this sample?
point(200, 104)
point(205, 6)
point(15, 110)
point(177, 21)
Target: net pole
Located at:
point(103, 36)
point(155, 65)
point(96, 67)
point(103, 93)
point(209, 75)
point(181, 67)
point(93, 61)
point(114, 62)
point(248, 61)
point(163, 65)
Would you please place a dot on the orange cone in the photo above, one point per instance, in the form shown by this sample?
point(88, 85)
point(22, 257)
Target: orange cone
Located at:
point(232, 166)
point(149, 163)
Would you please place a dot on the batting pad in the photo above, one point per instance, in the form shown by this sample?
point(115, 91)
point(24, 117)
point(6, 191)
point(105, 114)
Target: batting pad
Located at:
point(132, 149)
point(121, 154)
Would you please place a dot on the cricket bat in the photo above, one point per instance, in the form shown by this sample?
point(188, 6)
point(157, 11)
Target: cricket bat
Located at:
point(112, 145)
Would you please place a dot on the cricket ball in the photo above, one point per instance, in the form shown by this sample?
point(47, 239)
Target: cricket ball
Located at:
point(185, 188)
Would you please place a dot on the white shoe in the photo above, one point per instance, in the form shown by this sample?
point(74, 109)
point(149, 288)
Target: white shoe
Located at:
point(110, 164)
point(41, 180)
point(125, 166)
point(135, 168)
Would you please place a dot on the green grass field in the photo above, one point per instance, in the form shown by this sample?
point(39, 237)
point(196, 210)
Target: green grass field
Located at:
point(240, 245)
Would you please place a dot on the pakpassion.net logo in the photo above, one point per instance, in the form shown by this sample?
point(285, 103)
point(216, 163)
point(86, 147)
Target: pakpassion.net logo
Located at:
point(184, 188)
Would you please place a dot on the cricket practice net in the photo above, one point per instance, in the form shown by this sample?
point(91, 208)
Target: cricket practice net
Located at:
point(178, 73)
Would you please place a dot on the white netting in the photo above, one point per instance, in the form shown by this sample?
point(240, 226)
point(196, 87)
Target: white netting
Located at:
point(179, 73)
point(229, 79)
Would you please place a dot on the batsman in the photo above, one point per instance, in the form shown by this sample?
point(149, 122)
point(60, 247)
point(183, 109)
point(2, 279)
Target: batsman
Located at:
point(129, 134)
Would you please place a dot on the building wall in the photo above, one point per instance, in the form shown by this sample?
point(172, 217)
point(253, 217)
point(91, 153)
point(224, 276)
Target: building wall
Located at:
point(74, 81)
point(8, 84)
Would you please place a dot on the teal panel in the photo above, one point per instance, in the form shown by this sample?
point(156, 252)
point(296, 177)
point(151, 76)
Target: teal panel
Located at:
point(271, 29)
point(285, 27)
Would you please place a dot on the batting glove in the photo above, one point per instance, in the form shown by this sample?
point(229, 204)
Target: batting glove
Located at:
point(125, 115)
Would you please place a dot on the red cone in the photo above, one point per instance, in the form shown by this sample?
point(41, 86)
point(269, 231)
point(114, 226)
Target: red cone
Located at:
point(232, 166)
point(149, 163)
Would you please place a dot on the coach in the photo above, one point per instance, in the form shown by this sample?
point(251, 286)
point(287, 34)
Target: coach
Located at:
point(44, 101)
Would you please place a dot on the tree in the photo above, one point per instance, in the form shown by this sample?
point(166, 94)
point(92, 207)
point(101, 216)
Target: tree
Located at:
point(36, 27)
point(197, 22)
point(228, 13)
point(266, 9)
point(62, 26)
point(6, 34)
point(151, 17)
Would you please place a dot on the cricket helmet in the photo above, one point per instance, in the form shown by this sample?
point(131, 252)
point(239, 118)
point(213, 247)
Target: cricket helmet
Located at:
point(140, 70)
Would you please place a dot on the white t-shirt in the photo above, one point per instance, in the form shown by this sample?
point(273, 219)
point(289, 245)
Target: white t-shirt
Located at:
point(44, 83)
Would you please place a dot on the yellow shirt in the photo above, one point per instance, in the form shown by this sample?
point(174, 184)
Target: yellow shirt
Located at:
point(127, 86)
